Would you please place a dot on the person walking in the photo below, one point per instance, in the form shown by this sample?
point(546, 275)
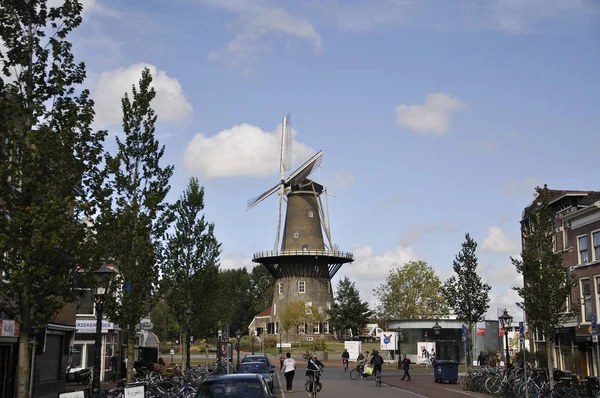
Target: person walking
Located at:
point(289, 370)
point(405, 367)
point(114, 365)
point(481, 359)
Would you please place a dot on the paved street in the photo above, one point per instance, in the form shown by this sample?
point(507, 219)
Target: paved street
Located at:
point(337, 383)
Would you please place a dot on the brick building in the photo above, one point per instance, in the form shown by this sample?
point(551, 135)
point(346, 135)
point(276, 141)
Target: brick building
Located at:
point(577, 237)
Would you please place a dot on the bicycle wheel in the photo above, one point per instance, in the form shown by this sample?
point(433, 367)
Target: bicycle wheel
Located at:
point(378, 380)
point(354, 374)
point(463, 382)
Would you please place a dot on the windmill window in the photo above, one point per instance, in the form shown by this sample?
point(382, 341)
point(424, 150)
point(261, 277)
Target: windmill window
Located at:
point(301, 287)
point(280, 287)
point(296, 235)
point(310, 214)
point(305, 247)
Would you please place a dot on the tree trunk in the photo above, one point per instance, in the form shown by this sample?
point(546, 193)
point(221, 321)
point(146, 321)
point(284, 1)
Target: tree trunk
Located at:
point(470, 345)
point(130, 353)
point(549, 349)
point(23, 369)
point(188, 344)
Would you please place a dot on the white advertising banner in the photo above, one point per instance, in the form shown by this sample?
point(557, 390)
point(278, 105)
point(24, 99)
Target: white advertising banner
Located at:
point(425, 350)
point(387, 341)
point(353, 348)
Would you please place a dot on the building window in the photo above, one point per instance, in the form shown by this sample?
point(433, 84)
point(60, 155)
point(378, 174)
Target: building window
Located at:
point(316, 328)
point(582, 246)
point(302, 328)
point(85, 303)
point(296, 235)
point(308, 307)
point(274, 309)
point(596, 242)
point(280, 287)
point(305, 247)
point(329, 305)
point(326, 327)
point(301, 287)
point(586, 299)
point(310, 214)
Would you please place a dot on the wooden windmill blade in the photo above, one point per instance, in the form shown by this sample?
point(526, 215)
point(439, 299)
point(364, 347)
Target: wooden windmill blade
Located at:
point(285, 164)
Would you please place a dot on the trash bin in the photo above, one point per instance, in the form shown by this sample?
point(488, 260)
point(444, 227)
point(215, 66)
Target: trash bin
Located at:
point(445, 371)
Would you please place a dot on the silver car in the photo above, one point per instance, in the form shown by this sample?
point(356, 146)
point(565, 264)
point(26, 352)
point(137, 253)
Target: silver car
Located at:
point(260, 368)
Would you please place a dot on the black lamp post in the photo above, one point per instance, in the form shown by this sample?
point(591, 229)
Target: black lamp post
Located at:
point(253, 341)
point(238, 334)
point(505, 321)
point(436, 330)
point(280, 333)
point(188, 362)
point(101, 291)
point(398, 334)
point(219, 352)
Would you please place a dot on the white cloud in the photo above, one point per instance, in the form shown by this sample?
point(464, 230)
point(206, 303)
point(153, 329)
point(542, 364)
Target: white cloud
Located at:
point(496, 241)
point(524, 185)
point(253, 23)
point(343, 179)
point(433, 117)
point(236, 261)
point(241, 151)
point(170, 103)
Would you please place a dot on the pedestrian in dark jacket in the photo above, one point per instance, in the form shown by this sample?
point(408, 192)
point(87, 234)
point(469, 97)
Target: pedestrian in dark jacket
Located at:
point(405, 367)
point(481, 359)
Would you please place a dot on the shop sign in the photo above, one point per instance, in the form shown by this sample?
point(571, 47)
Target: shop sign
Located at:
point(9, 328)
point(89, 326)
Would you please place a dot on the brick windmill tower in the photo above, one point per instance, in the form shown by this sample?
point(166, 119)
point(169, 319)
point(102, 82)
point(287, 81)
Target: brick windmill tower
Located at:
point(304, 265)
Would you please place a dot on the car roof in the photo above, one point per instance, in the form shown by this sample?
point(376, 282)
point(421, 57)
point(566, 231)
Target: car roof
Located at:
point(235, 376)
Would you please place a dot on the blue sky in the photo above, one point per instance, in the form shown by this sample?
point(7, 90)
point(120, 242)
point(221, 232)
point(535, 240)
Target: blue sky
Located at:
point(436, 118)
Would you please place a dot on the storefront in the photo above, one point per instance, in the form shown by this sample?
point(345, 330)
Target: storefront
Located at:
point(9, 332)
point(83, 347)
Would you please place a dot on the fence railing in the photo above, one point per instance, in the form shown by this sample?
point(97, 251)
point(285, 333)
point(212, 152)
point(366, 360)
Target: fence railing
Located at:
point(330, 253)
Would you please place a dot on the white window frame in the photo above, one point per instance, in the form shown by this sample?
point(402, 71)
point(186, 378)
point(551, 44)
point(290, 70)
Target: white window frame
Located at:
point(582, 310)
point(310, 214)
point(308, 307)
point(595, 245)
point(597, 292)
point(302, 328)
point(587, 249)
point(274, 309)
point(301, 287)
point(296, 235)
point(280, 288)
point(316, 328)
point(326, 327)
point(329, 305)
point(93, 314)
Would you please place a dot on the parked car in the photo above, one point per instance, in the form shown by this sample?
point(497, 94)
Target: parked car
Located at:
point(258, 358)
point(260, 368)
point(246, 385)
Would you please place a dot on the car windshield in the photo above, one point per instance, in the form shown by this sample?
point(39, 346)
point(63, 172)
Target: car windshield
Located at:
point(230, 388)
point(254, 367)
point(255, 359)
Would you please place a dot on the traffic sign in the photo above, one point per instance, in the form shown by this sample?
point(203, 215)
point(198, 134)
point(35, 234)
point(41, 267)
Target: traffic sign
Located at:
point(522, 329)
point(172, 351)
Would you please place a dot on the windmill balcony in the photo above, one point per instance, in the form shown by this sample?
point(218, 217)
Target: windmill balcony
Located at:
point(326, 253)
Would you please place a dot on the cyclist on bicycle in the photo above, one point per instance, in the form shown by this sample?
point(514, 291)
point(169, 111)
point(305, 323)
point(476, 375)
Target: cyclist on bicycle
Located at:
point(345, 358)
point(376, 362)
point(313, 368)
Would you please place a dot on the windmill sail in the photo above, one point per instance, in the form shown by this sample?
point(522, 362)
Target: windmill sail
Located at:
point(284, 165)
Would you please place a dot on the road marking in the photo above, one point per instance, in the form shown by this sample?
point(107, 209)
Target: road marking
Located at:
point(279, 382)
point(405, 390)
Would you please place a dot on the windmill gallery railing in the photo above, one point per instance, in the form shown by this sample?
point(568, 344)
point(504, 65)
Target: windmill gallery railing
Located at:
point(326, 253)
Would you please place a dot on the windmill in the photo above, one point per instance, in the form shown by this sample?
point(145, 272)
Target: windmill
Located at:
point(303, 266)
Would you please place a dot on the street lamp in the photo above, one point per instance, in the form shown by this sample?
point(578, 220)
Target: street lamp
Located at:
point(436, 330)
point(101, 290)
point(238, 334)
point(398, 331)
point(505, 321)
point(280, 333)
point(188, 361)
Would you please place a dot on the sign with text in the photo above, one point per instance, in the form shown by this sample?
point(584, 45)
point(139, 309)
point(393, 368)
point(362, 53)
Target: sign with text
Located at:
point(134, 392)
point(9, 328)
point(73, 394)
point(425, 351)
point(90, 326)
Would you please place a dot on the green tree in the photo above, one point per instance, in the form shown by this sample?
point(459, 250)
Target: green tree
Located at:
point(191, 264)
point(262, 288)
point(235, 302)
point(348, 311)
point(465, 293)
point(49, 161)
point(292, 315)
point(132, 221)
point(546, 282)
point(411, 291)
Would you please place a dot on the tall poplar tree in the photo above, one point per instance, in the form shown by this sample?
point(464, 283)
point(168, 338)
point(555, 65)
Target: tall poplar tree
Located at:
point(546, 282)
point(466, 294)
point(191, 265)
point(132, 221)
point(49, 161)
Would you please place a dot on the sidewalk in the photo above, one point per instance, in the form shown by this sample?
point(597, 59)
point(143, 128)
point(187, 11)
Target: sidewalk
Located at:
point(424, 385)
point(71, 387)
